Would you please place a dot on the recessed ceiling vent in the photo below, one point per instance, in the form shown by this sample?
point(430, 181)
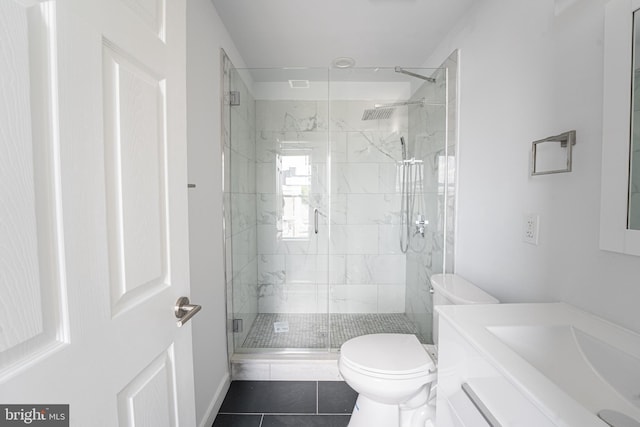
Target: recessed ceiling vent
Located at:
point(343, 62)
point(299, 84)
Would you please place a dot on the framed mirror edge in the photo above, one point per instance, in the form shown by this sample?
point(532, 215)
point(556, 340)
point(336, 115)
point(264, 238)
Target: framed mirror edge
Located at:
point(618, 48)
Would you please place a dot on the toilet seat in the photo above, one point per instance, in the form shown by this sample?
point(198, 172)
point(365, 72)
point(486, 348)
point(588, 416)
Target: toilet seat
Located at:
point(387, 376)
point(403, 356)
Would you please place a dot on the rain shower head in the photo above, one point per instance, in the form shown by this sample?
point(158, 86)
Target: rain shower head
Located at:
point(385, 111)
point(377, 113)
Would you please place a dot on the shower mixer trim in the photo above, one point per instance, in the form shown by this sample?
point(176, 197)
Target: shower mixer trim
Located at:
point(411, 161)
point(421, 223)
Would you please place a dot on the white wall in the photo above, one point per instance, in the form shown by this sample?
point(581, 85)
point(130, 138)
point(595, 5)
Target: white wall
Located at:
point(531, 69)
point(205, 36)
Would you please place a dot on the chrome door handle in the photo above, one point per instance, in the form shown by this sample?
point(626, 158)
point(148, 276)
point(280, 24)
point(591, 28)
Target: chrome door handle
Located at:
point(185, 311)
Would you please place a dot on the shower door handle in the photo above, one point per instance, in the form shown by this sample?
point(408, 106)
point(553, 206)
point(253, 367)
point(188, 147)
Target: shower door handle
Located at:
point(316, 213)
point(315, 220)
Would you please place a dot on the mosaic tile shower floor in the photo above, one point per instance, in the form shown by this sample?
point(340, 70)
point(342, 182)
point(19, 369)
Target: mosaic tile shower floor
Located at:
point(310, 331)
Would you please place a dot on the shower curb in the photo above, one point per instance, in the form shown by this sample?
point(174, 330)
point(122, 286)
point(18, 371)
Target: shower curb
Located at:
point(285, 367)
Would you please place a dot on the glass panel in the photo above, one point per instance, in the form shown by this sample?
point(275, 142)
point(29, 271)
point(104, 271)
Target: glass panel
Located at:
point(227, 68)
point(242, 229)
point(278, 151)
point(389, 161)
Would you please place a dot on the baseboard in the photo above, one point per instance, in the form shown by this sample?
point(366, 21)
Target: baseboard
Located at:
point(216, 402)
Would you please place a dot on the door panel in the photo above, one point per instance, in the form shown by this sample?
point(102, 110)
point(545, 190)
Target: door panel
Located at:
point(110, 254)
point(32, 317)
point(19, 232)
point(135, 141)
point(150, 398)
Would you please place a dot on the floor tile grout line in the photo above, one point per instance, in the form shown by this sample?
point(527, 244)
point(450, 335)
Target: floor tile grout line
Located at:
point(263, 414)
point(335, 413)
point(275, 413)
point(314, 413)
point(241, 413)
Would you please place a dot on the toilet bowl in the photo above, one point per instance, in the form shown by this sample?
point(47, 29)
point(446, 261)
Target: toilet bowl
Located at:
point(394, 373)
point(387, 370)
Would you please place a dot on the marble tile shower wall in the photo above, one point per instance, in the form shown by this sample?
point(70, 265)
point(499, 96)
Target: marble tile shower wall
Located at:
point(360, 268)
point(432, 139)
point(451, 65)
point(240, 206)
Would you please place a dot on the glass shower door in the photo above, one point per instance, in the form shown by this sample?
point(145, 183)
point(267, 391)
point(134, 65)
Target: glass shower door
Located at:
point(388, 137)
point(278, 210)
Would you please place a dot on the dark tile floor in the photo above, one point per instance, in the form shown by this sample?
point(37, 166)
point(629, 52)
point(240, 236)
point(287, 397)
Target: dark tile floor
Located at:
point(286, 404)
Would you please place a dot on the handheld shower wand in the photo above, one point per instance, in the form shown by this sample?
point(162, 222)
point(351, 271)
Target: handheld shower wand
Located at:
point(410, 186)
point(404, 148)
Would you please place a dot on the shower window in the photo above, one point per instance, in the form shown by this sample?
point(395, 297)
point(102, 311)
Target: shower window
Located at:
point(294, 188)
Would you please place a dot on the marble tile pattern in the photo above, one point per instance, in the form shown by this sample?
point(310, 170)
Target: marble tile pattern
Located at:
point(451, 64)
point(432, 139)
point(241, 231)
point(354, 259)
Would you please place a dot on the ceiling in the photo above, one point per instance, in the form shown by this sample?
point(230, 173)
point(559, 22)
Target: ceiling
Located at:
point(311, 33)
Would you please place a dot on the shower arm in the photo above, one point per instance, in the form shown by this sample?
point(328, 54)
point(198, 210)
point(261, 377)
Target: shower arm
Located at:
point(409, 73)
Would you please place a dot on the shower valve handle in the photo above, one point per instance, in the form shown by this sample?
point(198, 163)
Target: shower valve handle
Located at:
point(421, 223)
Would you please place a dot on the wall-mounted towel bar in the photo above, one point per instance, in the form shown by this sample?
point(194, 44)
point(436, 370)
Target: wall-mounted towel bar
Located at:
point(548, 157)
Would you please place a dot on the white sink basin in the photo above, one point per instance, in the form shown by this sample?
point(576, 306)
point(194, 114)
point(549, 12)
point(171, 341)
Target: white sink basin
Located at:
point(594, 373)
point(570, 364)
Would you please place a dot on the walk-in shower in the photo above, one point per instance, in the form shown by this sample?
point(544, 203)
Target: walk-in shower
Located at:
point(317, 193)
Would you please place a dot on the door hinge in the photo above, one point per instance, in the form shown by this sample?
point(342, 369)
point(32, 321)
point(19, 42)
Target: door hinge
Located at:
point(234, 98)
point(237, 325)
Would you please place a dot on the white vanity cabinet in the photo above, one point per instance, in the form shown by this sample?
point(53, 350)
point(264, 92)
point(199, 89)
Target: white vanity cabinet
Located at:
point(535, 365)
point(459, 363)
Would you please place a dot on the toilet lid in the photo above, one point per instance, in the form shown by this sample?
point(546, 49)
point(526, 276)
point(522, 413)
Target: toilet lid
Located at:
point(387, 354)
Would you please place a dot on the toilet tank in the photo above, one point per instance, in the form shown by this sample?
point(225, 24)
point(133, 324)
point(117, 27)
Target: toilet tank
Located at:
point(451, 289)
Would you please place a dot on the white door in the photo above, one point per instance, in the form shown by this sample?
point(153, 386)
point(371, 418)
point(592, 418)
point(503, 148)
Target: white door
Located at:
point(93, 210)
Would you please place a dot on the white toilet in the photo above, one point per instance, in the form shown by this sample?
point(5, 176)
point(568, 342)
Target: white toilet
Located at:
point(393, 373)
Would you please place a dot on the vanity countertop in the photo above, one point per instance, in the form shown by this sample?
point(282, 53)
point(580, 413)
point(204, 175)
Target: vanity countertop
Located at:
point(569, 363)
